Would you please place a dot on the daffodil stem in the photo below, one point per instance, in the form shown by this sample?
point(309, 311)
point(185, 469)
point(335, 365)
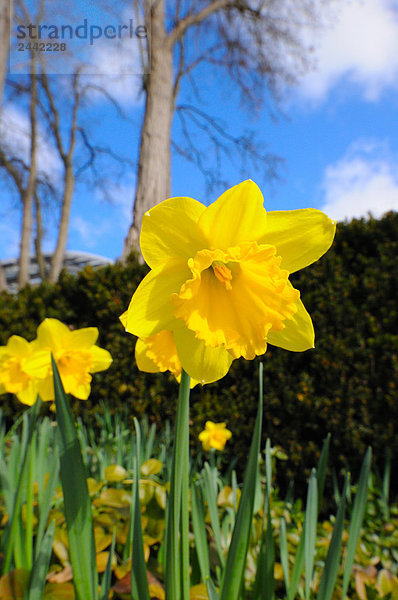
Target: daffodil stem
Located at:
point(177, 543)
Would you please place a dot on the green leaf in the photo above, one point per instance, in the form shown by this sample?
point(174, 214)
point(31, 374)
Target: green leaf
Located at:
point(211, 497)
point(79, 520)
point(310, 523)
point(284, 552)
point(107, 577)
point(47, 496)
point(176, 556)
point(264, 584)
point(321, 470)
point(12, 537)
point(331, 567)
point(199, 530)
point(139, 578)
point(237, 555)
point(40, 567)
point(211, 589)
point(356, 519)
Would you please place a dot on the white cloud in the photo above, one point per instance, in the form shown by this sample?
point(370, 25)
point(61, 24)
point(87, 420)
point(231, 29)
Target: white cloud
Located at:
point(364, 181)
point(115, 65)
point(361, 47)
point(15, 140)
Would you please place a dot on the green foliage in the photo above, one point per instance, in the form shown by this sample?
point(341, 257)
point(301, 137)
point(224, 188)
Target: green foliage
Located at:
point(346, 386)
point(277, 527)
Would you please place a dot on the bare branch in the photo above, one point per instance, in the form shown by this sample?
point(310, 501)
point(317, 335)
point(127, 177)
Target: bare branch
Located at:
point(195, 18)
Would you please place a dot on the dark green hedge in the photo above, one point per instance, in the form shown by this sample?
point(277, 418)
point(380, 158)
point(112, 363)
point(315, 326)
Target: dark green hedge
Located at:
point(347, 385)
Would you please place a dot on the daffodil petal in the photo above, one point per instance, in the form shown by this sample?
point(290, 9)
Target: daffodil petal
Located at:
point(101, 359)
point(300, 236)
point(201, 362)
point(298, 334)
point(237, 216)
point(28, 395)
point(51, 333)
point(169, 230)
point(150, 309)
point(18, 346)
point(144, 363)
point(45, 388)
point(81, 339)
point(38, 364)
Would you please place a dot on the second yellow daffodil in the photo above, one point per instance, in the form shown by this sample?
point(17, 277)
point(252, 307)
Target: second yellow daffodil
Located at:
point(75, 354)
point(14, 378)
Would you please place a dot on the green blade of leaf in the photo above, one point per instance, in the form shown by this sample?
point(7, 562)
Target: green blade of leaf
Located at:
point(284, 552)
point(173, 572)
point(331, 568)
point(107, 577)
point(265, 583)
point(199, 530)
point(40, 568)
point(357, 518)
point(77, 501)
point(211, 589)
point(139, 578)
point(321, 470)
point(237, 555)
point(211, 498)
point(311, 518)
point(12, 537)
point(297, 568)
point(47, 496)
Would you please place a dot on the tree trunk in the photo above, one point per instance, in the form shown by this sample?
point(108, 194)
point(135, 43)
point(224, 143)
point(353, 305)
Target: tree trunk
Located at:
point(27, 197)
point(153, 177)
point(59, 253)
point(4, 41)
point(4, 44)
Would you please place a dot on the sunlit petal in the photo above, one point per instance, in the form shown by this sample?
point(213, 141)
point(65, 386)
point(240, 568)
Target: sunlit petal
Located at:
point(28, 395)
point(101, 359)
point(51, 333)
point(150, 309)
point(81, 338)
point(300, 236)
point(237, 216)
point(18, 346)
point(169, 231)
point(298, 333)
point(201, 362)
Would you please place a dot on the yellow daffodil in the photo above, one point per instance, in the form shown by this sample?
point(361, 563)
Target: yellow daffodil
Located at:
point(14, 379)
point(214, 435)
point(219, 278)
point(75, 354)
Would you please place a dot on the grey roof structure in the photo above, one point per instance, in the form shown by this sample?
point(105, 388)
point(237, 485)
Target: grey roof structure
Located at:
point(74, 261)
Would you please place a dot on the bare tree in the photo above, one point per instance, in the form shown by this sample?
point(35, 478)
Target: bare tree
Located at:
point(55, 126)
point(5, 22)
point(5, 18)
point(255, 43)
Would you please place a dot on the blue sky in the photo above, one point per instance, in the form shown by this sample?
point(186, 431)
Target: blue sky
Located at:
point(338, 138)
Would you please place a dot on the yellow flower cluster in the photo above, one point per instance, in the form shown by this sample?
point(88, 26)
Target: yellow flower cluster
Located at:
point(219, 282)
point(25, 367)
point(214, 435)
